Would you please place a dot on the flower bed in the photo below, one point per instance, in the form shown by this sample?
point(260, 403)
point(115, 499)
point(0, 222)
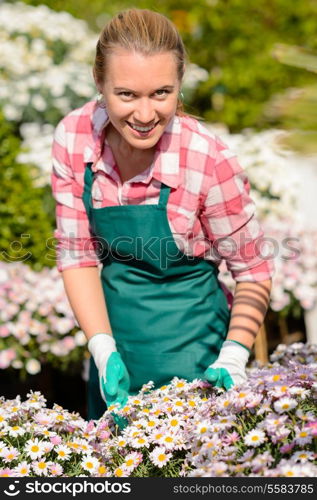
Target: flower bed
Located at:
point(36, 322)
point(267, 428)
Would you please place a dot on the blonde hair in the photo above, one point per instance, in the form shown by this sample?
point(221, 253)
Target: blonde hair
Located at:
point(143, 31)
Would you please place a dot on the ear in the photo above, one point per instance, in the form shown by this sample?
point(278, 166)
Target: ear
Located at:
point(98, 86)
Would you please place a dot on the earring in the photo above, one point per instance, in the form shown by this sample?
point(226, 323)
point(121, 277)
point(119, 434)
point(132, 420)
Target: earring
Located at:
point(101, 101)
point(181, 96)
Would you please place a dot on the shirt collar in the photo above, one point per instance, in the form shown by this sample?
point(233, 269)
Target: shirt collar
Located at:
point(165, 167)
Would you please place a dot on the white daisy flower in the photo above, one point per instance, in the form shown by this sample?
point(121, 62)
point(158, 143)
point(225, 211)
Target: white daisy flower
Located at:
point(284, 404)
point(34, 448)
point(40, 467)
point(23, 469)
point(303, 436)
point(159, 457)
point(90, 464)
point(56, 470)
point(168, 441)
point(303, 456)
point(300, 391)
point(121, 443)
point(140, 441)
point(15, 431)
point(202, 428)
point(9, 454)
point(254, 437)
point(63, 452)
point(132, 460)
point(121, 471)
point(175, 422)
point(290, 470)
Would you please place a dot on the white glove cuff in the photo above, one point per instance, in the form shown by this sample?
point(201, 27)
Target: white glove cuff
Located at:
point(101, 346)
point(231, 352)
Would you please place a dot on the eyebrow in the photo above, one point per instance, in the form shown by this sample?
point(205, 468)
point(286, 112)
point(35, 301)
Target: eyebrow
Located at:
point(163, 87)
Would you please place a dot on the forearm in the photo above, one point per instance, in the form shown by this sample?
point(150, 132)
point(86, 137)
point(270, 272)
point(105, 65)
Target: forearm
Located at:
point(250, 304)
point(84, 291)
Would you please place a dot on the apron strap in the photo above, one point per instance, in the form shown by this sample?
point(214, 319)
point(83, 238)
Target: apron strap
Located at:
point(88, 179)
point(164, 194)
point(164, 191)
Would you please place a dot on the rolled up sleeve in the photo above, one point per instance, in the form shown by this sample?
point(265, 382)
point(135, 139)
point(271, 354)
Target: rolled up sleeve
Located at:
point(76, 246)
point(229, 221)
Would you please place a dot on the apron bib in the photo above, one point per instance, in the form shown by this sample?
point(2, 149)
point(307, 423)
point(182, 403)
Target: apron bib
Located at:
point(168, 313)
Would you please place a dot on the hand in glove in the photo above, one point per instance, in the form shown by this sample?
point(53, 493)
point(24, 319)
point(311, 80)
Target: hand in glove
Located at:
point(114, 380)
point(229, 368)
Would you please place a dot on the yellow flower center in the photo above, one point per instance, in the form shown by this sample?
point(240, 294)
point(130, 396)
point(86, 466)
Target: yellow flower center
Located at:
point(255, 438)
point(285, 406)
point(276, 378)
point(169, 439)
point(289, 473)
point(129, 462)
point(89, 465)
point(102, 469)
point(174, 422)
point(303, 434)
point(62, 453)
point(118, 472)
point(35, 448)
point(42, 465)
point(23, 470)
point(162, 457)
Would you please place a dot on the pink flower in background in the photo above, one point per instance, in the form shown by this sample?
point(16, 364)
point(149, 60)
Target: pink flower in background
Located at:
point(4, 331)
point(6, 357)
point(56, 440)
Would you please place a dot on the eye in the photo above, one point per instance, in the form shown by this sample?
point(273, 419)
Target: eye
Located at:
point(125, 94)
point(162, 92)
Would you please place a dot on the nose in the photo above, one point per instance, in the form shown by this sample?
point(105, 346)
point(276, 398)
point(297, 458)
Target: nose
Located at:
point(144, 112)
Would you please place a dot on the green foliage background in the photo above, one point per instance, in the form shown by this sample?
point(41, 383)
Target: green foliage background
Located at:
point(234, 40)
point(24, 208)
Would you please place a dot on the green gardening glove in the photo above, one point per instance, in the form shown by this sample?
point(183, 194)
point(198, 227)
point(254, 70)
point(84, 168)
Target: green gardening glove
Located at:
point(114, 381)
point(115, 386)
point(229, 368)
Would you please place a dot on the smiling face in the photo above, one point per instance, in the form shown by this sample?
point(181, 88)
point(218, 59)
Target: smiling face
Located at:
point(141, 95)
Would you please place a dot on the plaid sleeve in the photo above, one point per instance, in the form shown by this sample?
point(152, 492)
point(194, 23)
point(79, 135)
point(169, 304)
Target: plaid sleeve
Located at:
point(228, 219)
point(75, 245)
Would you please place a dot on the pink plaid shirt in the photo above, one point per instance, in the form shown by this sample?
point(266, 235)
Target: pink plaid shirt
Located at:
point(210, 212)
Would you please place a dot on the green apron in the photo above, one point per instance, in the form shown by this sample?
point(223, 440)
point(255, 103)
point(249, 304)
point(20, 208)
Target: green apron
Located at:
point(168, 313)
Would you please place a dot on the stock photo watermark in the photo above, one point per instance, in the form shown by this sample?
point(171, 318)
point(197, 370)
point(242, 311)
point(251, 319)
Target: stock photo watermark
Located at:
point(161, 250)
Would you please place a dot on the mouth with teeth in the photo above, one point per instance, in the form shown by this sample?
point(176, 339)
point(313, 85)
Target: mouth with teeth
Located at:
point(142, 130)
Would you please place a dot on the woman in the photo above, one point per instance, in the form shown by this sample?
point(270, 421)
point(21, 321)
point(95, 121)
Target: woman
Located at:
point(158, 200)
